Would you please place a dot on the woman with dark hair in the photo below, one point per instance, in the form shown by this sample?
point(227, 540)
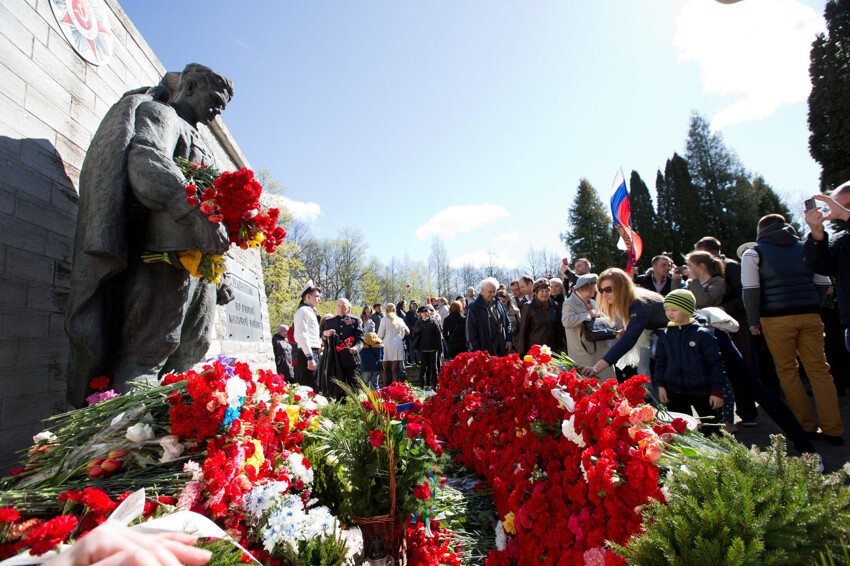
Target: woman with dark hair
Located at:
point(641, 312)
point(541, 321)
point(366, 319)
point(454, 329)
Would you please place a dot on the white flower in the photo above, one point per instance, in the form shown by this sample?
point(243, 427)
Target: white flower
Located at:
point(195, 469)
point(501, 538)
point(545, 350)
point(569, 431)
point(117, 418)
point(469, 421)
point(139, 432)
point(172, 447)
point(297, 469)
point(666, 493)
point(45, 437)
point(236, 389)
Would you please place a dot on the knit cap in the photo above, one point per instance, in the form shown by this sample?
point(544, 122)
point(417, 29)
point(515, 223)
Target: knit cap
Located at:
point(681, 299)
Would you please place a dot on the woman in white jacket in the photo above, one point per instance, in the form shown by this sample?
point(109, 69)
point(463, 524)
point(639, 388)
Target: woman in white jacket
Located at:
point(578, 308)
point(392, 331)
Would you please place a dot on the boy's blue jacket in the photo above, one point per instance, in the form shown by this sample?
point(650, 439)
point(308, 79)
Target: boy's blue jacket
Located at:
point(371, 358)
point(687, 361)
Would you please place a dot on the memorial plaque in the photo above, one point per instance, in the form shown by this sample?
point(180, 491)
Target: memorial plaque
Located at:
point(243, 315)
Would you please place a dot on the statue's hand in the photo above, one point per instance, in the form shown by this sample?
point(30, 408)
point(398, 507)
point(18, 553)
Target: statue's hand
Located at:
point(210, 237)
point(224, 294)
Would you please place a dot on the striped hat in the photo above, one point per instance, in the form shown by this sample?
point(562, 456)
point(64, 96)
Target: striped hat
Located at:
point(681, 299)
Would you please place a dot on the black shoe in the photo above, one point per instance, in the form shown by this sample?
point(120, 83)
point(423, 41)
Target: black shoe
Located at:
point(834, 440)
point(813, 435)
point(749, 422)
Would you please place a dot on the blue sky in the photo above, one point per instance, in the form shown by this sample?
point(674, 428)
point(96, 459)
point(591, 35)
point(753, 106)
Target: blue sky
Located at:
point(475, 119)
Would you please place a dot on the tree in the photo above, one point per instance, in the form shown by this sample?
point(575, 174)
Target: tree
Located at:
point(542, 262)
point(644, 221)
point(590, 232)
point(829, 113)
point(441, 271)
point(679, 210)
point(349, 260)
point(714, 171)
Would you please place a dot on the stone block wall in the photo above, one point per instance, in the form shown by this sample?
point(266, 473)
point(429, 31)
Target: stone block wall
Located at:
point(51, 103)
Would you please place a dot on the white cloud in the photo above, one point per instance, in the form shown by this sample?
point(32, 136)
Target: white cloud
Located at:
point(458, 219)
point(300, 210)
point(758, 50)
point(479, 258)
point(507, 238)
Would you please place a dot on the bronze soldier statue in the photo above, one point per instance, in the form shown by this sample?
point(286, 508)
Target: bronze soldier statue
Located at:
point(128, 319)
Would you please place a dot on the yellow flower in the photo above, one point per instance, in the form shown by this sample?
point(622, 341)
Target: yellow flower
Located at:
point(258, 457)
point(528, 358)
point(191, 260)
point(292, 411)
point(508, 523)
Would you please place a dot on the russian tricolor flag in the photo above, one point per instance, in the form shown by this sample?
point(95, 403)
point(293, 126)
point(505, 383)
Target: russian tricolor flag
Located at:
point(622, 213)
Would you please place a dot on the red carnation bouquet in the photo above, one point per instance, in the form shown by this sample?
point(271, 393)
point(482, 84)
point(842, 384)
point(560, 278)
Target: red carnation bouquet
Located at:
point(231, 198)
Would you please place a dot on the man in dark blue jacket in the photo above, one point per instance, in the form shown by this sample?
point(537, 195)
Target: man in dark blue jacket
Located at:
point(782, 296)
point(487, 324)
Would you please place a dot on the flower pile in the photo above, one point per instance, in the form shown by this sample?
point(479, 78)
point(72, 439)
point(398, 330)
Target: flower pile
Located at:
point(216, 434)
point(567, 475)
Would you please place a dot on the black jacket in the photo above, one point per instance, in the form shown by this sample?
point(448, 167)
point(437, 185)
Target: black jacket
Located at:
point(426, 336)
point(832, 259)
point(687, 361)
point(478, 328)
point(454, 330)
point(646, 281)
point(282, 356)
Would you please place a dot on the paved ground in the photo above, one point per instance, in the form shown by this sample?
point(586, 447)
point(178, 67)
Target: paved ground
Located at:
point(834, 457)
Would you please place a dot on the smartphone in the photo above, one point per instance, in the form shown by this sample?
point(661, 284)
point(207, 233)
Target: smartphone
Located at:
point(565, 261)
point(810, 204)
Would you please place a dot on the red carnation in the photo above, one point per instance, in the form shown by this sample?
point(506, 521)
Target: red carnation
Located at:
point(376, 438)
point(422, 491)
point(7, 515)
point(99, 383)
point(47, 536)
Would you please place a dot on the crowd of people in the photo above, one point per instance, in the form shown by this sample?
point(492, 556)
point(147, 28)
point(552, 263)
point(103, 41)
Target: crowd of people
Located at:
point(715, 336)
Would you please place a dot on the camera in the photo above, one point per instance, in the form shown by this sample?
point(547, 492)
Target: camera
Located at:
point(810, 204)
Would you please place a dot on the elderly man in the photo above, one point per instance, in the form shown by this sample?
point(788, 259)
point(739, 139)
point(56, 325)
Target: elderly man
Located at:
point(282, 353)
point(487, 324)
point(782, 296)
point(343, 339)
point(129, 319)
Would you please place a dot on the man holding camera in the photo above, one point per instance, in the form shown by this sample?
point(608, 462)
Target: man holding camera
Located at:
point(831, 258)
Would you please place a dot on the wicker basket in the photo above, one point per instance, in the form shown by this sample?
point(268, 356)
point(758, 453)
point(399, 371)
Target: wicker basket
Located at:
point(388, 527)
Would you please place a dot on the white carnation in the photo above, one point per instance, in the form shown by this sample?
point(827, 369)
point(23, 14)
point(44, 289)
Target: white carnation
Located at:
point(172, 448)
point(45, 437)
point(568, 429)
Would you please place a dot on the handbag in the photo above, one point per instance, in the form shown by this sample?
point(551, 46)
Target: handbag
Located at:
point(598, 329)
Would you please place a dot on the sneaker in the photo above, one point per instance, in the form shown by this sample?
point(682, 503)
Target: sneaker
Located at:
point(834, 440)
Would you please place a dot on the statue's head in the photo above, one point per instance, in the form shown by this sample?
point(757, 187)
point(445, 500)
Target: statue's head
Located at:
point(203, 93)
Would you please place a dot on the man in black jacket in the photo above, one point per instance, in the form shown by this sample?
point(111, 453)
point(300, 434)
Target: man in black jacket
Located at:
point(657, 278)
point(832, 258)
point(487, 324)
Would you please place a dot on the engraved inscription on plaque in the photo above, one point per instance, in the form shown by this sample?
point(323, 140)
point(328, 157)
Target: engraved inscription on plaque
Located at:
point(244, 314)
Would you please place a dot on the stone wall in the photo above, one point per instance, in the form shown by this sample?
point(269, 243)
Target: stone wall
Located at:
point(51, 103)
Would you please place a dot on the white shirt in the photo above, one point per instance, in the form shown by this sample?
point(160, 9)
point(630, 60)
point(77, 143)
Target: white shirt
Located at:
point(306, 329)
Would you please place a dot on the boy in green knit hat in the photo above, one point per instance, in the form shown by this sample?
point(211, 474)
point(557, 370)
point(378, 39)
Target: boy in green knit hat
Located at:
point(689, 372)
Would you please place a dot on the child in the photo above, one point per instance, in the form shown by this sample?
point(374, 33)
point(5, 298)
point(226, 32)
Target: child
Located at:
point(371, 356)
point(689, 371)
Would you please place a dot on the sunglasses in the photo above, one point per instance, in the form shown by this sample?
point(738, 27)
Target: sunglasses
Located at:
point(606, 290)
